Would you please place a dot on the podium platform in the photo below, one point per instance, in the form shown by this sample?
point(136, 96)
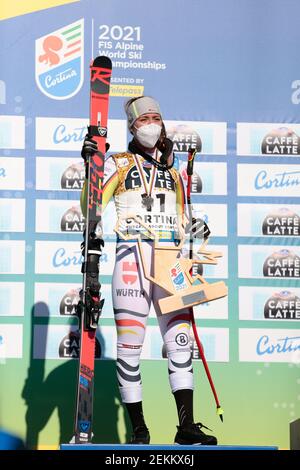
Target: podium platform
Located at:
point(167, 447)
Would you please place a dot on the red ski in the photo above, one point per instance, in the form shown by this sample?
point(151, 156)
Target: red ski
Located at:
point(90, 305)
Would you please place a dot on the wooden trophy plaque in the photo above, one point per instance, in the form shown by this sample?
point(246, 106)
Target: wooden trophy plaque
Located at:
point(172, 270)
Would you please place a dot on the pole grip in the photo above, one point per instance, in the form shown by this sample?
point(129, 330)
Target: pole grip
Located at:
point(191, 158)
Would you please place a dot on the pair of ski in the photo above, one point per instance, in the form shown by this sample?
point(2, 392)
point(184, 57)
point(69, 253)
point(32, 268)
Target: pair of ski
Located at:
point(90, 304)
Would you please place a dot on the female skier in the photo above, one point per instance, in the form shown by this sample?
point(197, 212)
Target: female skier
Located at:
point(144, 183)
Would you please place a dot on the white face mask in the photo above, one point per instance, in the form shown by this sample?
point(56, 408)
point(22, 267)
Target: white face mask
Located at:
point(147, 135)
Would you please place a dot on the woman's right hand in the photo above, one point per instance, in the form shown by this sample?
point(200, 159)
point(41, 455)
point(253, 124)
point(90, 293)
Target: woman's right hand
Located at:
point(89, 147)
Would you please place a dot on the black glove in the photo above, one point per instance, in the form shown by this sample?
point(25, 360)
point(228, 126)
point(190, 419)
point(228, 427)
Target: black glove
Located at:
point(89, 147)
point(197, 229)
point(95, 243)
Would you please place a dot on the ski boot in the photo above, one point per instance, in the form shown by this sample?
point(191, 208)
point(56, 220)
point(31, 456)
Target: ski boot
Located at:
point(140, 435)
point(191, 434)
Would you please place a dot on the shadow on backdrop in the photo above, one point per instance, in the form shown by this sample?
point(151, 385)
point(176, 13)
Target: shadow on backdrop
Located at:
point(43, 395)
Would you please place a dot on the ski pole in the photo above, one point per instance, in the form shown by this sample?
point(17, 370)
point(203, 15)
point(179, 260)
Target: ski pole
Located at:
point(190, 168)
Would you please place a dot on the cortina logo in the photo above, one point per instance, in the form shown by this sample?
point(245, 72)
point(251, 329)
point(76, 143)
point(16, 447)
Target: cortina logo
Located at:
point(288, 344)
point(284, 180)
point(59, 61)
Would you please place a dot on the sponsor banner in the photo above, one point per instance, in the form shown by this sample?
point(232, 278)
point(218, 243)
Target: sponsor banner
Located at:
point(269, 261)
point(219, 270)
point(67, 134)
point(12, 215)
point(127, 48)
point(11, 341)
point(269, 303)
point(215, 310)
point(64, 257)
point(63, 342)
point(59, 173)
point(12, 173)
point(65, 216)
point(268, 139)
point(54, 216)
point(11, 299)
point(153, 344)
point(68, 174)
point(268, 180)
point(215, 215)
point(271, 220)
point(12, 256)
point(60, 299)
point(129, 91)
point(266, 345)
point(206, 137)
point(214, 340)
point(56, 299)
point(12, 132)
point(109, 220)
point(59, 61)
point(208, 178)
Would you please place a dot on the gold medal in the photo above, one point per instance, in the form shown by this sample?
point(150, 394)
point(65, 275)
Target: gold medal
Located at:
point(147, 201)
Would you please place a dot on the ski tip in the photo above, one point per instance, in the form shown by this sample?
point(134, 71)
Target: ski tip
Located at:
point(102, 61)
